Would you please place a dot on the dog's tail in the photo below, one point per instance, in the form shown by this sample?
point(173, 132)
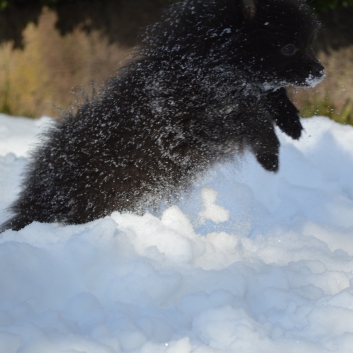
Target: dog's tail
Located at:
point(15, 223)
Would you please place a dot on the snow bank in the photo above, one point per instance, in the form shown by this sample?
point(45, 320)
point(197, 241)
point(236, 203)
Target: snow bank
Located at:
point(249, 262)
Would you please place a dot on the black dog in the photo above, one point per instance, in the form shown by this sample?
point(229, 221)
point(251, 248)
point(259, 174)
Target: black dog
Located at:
point(207, 83)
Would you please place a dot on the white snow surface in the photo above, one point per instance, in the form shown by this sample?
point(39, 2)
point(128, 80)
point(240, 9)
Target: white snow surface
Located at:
point(250, 262)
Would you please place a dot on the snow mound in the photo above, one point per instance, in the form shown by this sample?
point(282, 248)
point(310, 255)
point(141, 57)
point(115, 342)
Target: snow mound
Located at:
point(249, 262)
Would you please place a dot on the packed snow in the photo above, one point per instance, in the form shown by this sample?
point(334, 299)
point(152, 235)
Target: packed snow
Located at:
point(250, 261)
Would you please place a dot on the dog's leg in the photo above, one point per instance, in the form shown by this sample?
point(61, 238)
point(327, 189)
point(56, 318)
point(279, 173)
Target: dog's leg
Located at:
point(284, 113)
point(259, 135)
point(266, 147)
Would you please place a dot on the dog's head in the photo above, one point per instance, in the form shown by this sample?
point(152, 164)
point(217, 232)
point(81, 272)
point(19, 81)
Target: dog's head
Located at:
point(268, 42)
point(278, 42)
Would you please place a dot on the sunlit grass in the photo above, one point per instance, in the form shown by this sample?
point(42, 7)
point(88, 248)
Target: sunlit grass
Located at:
point(326, 107)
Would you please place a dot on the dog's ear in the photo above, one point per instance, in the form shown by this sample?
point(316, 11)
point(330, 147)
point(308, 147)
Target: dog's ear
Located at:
point(249, 9)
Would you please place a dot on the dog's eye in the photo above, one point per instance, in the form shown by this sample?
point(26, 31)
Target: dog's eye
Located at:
point(289, 49)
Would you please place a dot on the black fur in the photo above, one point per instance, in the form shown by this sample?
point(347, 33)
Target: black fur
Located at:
point(207, 83)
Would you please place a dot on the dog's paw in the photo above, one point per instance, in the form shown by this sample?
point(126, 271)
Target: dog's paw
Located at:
point(269, 161)
point(292, 127)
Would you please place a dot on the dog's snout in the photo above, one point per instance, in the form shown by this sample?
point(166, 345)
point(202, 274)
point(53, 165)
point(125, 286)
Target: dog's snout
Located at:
point(317, 69)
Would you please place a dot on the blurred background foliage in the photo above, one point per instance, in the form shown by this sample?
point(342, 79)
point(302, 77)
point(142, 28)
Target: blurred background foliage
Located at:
point(5, 3)
point(51, 47)
point(324, 5)
point(319, 5)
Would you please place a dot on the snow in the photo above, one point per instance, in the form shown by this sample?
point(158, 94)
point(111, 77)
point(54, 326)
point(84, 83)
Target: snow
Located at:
point(250, 262)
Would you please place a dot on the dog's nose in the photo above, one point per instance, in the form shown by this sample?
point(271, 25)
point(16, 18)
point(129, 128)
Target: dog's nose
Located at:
point(317, 69)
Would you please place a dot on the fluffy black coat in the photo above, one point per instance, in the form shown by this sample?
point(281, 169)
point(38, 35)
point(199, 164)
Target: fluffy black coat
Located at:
point(207, 83)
